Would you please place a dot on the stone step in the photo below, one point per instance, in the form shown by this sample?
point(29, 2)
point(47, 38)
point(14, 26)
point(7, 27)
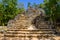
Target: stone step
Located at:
point(44, 32)
point(13, 33)
point(45, 27)
point(30, 31)
point(42, 29)
point(25, 31)
point(28, 35)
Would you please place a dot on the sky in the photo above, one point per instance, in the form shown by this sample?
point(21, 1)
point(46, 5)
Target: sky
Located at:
point(25, 2)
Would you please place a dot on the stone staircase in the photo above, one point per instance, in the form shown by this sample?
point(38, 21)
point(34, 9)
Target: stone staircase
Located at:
point(25, 34)
point(44, 30)
point(18, 28)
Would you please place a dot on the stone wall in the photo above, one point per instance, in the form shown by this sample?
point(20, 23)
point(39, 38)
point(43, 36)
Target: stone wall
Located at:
point(25, 19)
point(1, 36)
point(25, 34)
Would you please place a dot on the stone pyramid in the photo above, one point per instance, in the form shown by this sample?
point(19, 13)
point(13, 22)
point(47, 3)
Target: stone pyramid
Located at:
point(28, 26)
point(24, 20)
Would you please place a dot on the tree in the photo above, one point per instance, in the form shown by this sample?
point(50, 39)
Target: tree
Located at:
point(8, 11)
point(29, 4)
point(1, 13)
point(52, 9)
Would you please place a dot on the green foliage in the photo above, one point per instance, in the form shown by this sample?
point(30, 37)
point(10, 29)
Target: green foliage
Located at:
point(52, 9)
point(29, 4)
point(8, 10)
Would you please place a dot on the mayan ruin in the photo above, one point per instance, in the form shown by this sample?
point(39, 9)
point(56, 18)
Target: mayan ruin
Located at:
point(29, 27)
point(29, 19)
